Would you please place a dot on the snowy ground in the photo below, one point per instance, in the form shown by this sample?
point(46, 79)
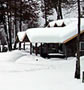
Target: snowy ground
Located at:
point(21, 71)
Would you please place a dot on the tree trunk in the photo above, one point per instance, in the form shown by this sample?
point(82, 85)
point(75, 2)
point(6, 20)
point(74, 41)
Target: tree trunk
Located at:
point(60, 9)
point(45, 14)
point(20, 21)
point(10, 43)
point(5, 26)
point(15, 27)
point(77, 72)
point(10, 36)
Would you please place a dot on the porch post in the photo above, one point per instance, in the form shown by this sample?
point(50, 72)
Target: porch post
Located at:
point(41, 50)
point(47, 49)
point(65, 50)
point(36, 49)
point(30, 48)
point(19, 45)
point(24, 45)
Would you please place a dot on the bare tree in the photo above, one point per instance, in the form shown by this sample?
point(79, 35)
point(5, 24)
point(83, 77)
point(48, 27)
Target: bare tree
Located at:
point(58, 8)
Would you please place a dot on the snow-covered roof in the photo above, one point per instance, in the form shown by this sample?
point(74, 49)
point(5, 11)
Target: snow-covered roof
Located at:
point(61, 21)
point(55, 34)
point(21, 35)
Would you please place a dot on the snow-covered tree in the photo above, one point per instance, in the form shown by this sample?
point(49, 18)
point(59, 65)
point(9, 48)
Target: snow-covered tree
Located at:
point(60, 4)
point(30, 13)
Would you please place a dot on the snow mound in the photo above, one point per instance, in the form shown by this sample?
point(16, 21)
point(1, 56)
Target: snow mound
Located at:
point(10, 56)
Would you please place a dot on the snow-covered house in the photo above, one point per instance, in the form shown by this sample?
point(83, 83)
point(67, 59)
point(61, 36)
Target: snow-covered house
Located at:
point(58, 39)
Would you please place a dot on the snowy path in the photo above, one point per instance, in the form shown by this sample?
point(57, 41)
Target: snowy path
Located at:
point(30, 72)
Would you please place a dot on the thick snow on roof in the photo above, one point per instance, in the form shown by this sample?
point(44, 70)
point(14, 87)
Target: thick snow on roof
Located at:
point(55, 34)
point(61, 21)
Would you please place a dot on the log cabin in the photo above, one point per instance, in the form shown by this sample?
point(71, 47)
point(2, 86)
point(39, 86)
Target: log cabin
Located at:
point(58, 38)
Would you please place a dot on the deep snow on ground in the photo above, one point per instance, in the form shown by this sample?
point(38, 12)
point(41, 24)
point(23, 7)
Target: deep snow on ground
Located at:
point(21, 71)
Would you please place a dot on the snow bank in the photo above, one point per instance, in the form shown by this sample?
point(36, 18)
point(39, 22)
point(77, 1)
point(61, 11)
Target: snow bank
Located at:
point(10, 56)
point(45, 74)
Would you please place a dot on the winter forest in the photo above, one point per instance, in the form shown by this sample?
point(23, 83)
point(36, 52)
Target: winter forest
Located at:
point(19, 15)
point(41, 44)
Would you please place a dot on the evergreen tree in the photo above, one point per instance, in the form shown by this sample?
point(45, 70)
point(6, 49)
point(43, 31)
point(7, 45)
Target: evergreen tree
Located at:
point(15, 12)
point(30, 13)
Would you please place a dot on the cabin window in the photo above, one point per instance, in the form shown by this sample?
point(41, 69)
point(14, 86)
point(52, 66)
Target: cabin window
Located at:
point(83, 8)
point(81, 46)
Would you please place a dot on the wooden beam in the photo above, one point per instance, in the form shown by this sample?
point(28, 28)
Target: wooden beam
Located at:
point(73, 37)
